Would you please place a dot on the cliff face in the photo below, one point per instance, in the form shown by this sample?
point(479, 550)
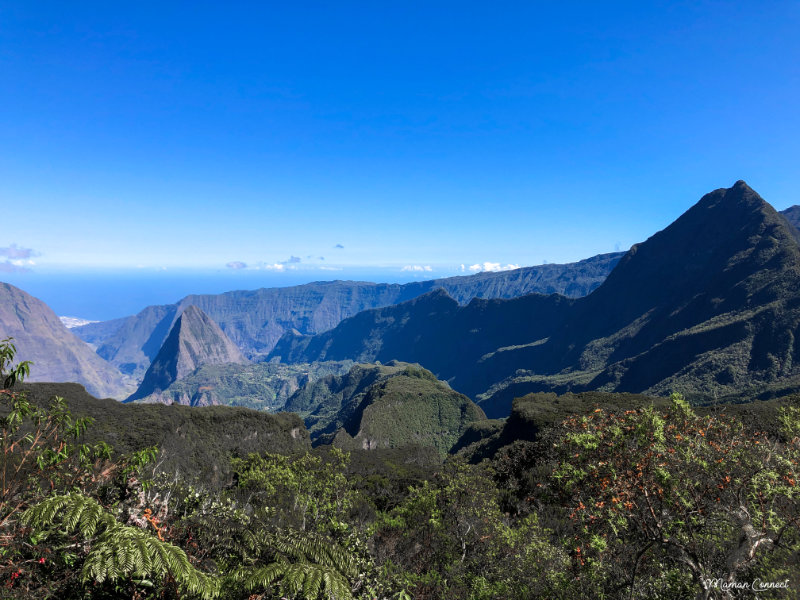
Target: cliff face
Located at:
point(194, 340)
point(57, 353)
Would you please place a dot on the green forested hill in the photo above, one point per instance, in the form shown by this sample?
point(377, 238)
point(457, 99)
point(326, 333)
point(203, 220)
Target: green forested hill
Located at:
point(385, 406)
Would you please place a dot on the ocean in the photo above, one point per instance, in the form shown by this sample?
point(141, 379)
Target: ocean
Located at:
point(104, 295)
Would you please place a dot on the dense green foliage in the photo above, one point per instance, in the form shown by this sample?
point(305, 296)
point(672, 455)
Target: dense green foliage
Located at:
point(385, 406)
point(261, 386)
point(568, 499)
point(192, 440)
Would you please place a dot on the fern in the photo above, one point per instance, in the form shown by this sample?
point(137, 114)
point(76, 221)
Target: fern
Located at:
point(118, 551)
point(304, 565)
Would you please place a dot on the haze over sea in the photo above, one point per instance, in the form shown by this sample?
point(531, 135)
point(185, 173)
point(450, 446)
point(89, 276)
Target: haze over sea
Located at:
point(99, 295)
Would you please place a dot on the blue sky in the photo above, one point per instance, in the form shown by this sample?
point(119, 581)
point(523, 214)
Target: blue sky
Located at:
point(380, 135)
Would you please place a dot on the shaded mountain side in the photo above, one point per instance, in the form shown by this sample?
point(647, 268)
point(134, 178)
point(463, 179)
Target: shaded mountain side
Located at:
point(262, 386)
point(325, 398)
point(255, 320)
point(198, 443)
point(710, 305)
point(385, 406)
point(135, 342)
point(57, 353)
point(193, 341)
point(792, 214)
point(434, 331)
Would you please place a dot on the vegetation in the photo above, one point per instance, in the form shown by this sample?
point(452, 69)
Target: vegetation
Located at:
point(582, 496)
point(261, 386)
point(385, 406)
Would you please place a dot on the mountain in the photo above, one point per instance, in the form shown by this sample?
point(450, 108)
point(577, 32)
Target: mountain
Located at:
point(255, 320)
point(792, 214)
point(57, 353)
point(193, 341)
point(433, 329)
point(384, 406)
point(710, 305)
point(262, 386)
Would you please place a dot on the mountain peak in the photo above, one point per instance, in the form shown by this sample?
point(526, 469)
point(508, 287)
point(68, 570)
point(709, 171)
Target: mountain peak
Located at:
point(194, 340)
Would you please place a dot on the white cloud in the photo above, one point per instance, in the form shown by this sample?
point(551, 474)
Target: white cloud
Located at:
point(330, 268)
point(18, 259)
point(490, 266)
point(236, 265)
point(417, 268)
point(15, 252)
point(271, 267)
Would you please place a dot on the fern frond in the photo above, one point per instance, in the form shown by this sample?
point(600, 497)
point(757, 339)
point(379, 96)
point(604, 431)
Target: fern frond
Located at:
point(316, 549)
point(306, 580)
point(118, 551)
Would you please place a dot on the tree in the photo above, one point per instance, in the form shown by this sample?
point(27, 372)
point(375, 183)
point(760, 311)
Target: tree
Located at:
point(450, 539)
point(657, 493)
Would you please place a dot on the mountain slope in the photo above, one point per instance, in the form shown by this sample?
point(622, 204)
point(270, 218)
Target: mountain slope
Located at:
point(710, 305)
point(131, 343)
point(792, 214)
point(434, 330)
point(193, 341)
point(255, 320)
point(58, 354)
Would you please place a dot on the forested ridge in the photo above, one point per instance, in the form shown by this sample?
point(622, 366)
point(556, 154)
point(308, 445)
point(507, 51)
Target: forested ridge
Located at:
point(577, 496)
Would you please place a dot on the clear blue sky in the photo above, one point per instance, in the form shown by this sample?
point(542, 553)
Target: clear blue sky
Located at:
point(434, 134)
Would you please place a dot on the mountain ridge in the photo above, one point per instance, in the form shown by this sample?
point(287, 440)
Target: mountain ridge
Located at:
point(384, 406)
point(256, 319)
point(699, 307)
